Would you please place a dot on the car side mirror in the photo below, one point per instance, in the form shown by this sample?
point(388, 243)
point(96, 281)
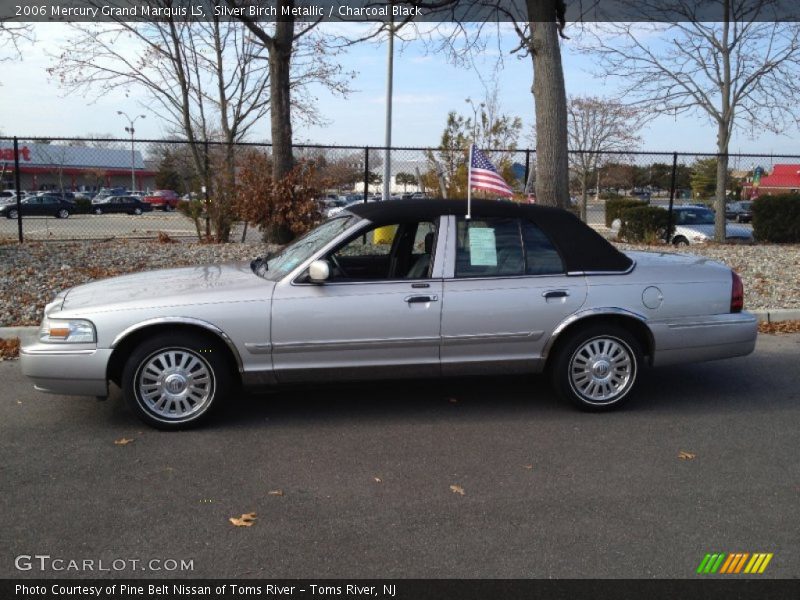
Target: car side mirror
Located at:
point(319, 271)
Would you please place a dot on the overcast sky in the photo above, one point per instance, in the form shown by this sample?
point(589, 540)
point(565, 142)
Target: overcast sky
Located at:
point(426, 87)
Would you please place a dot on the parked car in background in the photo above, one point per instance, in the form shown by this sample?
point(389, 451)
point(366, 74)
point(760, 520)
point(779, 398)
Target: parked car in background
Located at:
point(130, 205)
point(387, 290)
point(695, 225)
point(67, 196)
point(42, 205)
point(166, 200)
point(741, 212)
point(7, 196)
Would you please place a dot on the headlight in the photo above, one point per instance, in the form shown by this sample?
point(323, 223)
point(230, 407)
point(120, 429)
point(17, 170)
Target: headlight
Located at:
point(69, 331)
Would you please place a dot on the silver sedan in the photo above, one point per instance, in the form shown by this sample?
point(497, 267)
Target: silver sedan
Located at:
point(393, 290)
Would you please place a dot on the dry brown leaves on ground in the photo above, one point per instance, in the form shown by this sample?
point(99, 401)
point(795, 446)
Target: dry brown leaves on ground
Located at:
point(123, 441)
point(9, 348)
point(683, 455)
point(779, 327)
point(246, 520)
point(457, 489)
point(275, 493)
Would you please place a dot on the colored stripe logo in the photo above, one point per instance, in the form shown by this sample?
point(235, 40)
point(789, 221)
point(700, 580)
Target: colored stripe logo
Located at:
point(734, 563)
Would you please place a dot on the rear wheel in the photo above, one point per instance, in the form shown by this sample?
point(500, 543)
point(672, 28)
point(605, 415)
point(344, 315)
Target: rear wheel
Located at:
point(63, 213)
point(98, 211)
point(174, 381)
point(12, 214)
point(680, 241)
point(137, 211)
point(596, 368)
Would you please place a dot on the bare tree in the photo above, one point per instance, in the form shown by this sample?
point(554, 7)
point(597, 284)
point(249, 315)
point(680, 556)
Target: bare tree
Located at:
point(598, 125)
point(12, 34)
point(740, 69)
point(285, 45)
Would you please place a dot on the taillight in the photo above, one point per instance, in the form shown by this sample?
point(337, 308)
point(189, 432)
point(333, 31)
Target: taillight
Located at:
point(737, 293)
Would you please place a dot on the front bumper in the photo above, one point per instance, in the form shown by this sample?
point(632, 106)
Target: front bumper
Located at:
point(709, 337)
point(75, 370)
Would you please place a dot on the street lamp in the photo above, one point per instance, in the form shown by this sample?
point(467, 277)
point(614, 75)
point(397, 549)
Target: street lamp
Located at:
point(133, 155)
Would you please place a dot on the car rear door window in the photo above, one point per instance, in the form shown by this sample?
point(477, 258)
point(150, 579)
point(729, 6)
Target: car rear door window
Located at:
point(541, 257)
point(489, 248)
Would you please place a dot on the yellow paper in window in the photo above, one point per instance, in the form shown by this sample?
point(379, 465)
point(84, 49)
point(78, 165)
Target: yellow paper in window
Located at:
point(384, 235)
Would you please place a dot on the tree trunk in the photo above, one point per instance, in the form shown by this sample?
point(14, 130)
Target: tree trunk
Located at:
point(280, 59)
point(550, 100)
point(722, 183)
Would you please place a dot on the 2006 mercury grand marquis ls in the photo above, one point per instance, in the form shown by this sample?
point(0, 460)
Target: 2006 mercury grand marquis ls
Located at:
point(389, 290)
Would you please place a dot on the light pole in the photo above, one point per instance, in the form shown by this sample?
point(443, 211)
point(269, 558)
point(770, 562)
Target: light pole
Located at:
point(133, 155)
point(387, 159)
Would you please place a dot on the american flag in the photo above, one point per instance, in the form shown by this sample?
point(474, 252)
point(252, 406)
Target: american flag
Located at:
point(483, 175)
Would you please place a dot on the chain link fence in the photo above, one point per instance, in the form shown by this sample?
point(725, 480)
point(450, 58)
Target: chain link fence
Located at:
point(89, 189)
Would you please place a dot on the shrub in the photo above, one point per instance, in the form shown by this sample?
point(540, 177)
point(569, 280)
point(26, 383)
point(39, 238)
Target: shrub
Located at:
point(610, 196)
point(615, 206)
point(644, 224)
point(777, 218)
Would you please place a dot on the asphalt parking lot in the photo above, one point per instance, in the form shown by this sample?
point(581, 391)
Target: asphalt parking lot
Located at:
point(365, 474)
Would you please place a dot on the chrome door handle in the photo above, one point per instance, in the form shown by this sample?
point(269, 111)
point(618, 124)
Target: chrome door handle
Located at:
point(418, 299)
point(555, 294)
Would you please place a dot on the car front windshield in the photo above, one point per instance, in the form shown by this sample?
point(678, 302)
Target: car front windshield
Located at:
point(696, 217)
point(301, 249)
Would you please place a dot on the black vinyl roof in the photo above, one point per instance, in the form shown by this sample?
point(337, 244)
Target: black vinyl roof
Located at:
point(580, 246)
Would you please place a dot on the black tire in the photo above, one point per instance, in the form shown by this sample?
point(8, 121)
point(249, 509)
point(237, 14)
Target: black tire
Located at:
point(12, 214)
point(601, 379)
point(192, 400)
point(137, 211)
point(680, 241)
point(168, 208)
point(62, 213)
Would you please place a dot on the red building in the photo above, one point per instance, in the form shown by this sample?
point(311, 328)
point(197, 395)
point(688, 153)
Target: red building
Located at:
point(784, 179)
point(56, 166)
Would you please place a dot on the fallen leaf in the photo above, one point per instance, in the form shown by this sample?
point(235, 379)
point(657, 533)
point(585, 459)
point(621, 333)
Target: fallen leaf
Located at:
point(275, 492)
point(457, 489)
point(779, 327)
point(529, 467)
point(246, 520)
point(123, 441)
point(378, 480)
point(683, 455)
point(452, 400)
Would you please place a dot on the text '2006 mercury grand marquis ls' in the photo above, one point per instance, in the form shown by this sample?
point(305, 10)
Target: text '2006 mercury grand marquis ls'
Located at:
point(389, 290)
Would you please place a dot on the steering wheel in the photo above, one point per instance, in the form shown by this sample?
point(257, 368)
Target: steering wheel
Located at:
point(338, 265)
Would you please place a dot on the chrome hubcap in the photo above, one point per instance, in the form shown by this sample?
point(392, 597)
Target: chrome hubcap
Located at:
point(174, 384)
point(601, 370)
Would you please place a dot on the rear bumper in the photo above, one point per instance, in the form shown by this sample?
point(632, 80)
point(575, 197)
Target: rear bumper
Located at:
point(69, 371)
point(709, 337)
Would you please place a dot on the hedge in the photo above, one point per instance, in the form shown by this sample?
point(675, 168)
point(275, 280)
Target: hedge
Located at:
point(644, 224)
point(777, 218)
point(615, 206)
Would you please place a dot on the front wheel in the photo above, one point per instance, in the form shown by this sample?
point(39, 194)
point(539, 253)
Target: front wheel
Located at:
point(98, 211)
point(174, 381)
point(137, 211)
point(596, 368)
point(62, 214)
point(12, 214)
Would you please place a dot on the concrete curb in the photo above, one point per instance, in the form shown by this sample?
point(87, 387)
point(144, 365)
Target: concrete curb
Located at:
point(770, 315)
